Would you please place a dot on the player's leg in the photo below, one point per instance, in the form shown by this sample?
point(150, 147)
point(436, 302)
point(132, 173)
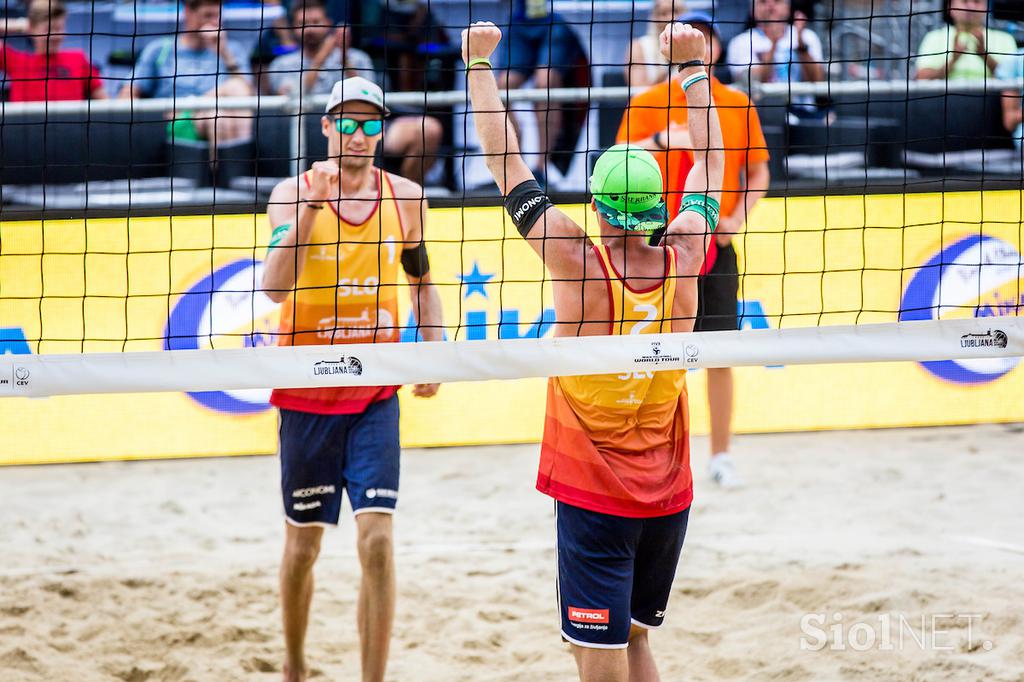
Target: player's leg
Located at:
point(371, 472)
point(376, 609)
point(311, 489)
point(718, 303)
point(596, 553)
point(657, 556)
point(415, 140)
point(641, 661)
point(301, 548)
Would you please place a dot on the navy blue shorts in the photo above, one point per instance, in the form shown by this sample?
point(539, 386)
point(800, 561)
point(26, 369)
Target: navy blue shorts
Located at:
point(614, 572)
point(530, 45)
point(323, 454)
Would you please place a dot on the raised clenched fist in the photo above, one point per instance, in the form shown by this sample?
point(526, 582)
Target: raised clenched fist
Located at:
point(480, 40)
point(324, 177)
point(682, 43)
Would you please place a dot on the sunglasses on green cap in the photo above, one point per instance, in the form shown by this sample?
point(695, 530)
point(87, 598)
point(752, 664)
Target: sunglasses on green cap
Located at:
point(348, 126)
point(639, 221)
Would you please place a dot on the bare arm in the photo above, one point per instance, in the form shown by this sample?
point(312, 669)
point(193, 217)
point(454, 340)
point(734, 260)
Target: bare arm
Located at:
point(426, 303)
point(1012, 112)
point(423, 294)
point(636, 69)
point(554, 237)
point(688, 231)
point(291, 221)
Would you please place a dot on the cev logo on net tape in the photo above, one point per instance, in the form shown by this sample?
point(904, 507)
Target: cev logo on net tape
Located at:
point(977, 276)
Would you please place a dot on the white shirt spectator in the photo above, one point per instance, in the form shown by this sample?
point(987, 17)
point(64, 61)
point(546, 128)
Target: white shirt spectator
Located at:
point(751, 48)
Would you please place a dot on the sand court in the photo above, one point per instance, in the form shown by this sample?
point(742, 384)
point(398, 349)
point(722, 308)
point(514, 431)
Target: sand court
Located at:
point(168, 570)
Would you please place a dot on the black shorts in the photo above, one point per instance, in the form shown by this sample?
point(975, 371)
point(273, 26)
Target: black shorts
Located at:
point(717, 294)
point(614, 572)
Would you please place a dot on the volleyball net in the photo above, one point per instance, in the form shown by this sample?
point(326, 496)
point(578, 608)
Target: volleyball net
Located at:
point(134, 231)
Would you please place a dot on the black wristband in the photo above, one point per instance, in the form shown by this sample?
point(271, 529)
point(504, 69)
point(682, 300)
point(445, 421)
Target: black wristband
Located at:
point(415, 261)
point(526, 203)
point(686, 65)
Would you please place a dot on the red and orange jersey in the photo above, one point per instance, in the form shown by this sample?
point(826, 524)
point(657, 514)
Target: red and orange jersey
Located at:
point(619, 443)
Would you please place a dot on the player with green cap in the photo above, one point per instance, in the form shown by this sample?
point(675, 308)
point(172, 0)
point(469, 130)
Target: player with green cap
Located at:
point(615, 453)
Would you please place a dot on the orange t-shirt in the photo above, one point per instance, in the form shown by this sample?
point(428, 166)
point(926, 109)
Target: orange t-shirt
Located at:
point(651, 112)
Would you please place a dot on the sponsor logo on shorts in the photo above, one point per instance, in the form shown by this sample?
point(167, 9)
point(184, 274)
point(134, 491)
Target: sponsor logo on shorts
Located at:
point(347, 364)
point(315, 490)
point(373, 493)
point(306, 506)
point(578, 615)
point(659, 614)
point(657, 355)
point(990, 339)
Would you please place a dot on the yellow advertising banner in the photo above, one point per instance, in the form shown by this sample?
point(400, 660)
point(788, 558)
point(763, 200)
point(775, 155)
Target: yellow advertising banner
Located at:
point(188, 282)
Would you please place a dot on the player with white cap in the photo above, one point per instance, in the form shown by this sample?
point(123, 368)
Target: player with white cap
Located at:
point(340, 233)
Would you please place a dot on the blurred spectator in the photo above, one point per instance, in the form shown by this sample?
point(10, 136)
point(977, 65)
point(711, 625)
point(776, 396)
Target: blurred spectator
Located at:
point(731, 18)
point(199, 61)
point(656, 119)
point(407, 37)
point(542, 45)
point(965, 48)
point(47, 73)
point(778, 49)
point(325, 58)
point(645, 65)
point(1013, 115)
point(325, 55)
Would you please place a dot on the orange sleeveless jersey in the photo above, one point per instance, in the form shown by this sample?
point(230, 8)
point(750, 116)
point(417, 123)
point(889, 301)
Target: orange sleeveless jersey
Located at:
point(347, 293)
point(619, 444)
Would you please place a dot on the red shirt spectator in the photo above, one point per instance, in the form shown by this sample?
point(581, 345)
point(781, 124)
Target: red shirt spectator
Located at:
point(33, 77)
point(47, 73)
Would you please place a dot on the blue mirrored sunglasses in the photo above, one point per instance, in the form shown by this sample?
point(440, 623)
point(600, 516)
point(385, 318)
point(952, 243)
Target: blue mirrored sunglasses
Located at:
point(348, 126)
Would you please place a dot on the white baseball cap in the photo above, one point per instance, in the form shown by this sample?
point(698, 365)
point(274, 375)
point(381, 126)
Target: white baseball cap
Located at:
point(357, 89)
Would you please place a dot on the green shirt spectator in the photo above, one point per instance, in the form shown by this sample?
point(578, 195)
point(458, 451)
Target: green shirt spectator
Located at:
point(965, 48)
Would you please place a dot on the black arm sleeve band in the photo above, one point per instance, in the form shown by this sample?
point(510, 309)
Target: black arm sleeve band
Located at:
point(415, 262)
point(525, 204)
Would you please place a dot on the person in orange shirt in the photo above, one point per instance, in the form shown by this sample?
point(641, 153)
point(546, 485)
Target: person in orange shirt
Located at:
point(342, 232)
point(656, 119)
point(615, 454)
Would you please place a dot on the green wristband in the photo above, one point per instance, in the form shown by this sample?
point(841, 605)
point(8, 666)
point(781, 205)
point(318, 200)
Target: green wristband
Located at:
point(479, 60)
point(704, 205)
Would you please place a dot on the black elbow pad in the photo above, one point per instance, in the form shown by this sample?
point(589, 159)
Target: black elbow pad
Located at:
point(415, 261)
point(525, 204)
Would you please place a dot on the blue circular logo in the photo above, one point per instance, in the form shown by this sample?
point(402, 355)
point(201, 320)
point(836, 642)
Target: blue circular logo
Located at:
point(225, 309)
point(978, 276)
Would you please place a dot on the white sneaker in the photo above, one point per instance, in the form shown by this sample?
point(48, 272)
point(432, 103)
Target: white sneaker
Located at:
point(723, 471)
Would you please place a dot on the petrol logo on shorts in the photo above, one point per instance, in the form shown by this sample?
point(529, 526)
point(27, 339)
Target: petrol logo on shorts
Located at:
point(977, 276)
point(225, 309)
point(578, 615)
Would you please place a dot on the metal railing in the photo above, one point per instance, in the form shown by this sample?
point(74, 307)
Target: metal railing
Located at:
point(289, 106)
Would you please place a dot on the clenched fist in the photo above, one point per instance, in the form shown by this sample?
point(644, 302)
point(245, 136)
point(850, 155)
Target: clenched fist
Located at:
point(325, 176)
point(480, 40)
point(682, 43)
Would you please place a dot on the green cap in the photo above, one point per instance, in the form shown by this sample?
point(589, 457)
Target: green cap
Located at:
point(627, 188)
